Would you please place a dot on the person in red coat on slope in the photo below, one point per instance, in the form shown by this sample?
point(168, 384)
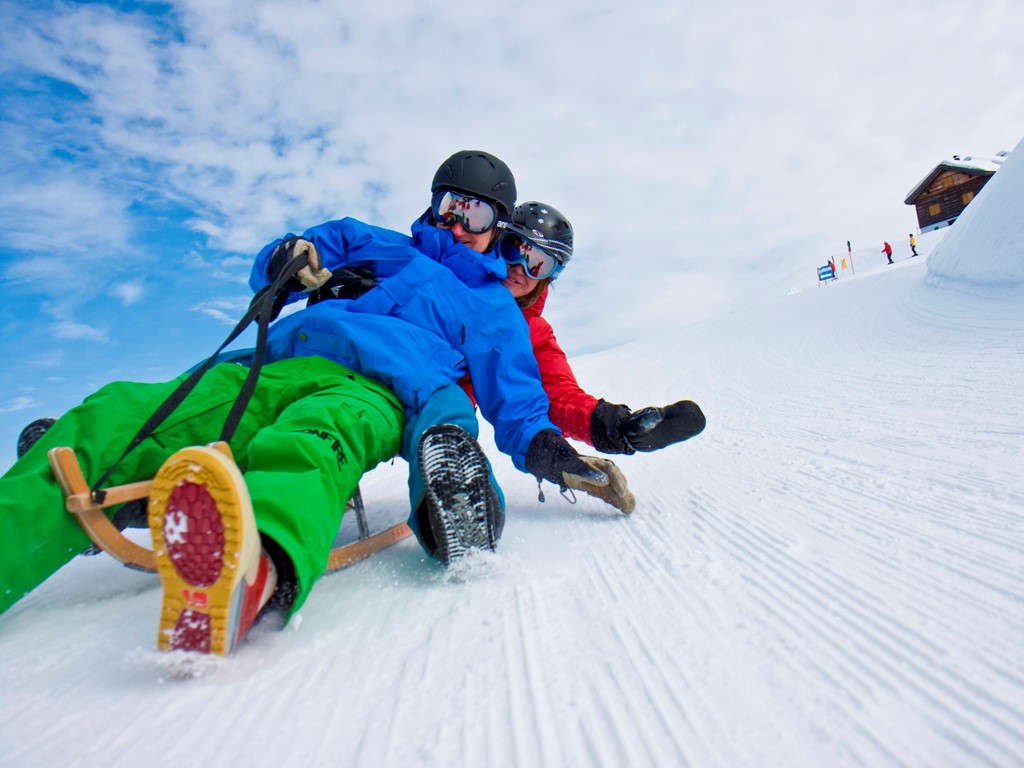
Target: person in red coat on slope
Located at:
point(537, 245)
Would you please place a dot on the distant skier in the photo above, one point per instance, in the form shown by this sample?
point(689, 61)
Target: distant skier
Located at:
point(913, 245)
point(887, 250)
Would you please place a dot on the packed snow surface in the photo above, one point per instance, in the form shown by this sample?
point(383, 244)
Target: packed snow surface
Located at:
point(832, 574)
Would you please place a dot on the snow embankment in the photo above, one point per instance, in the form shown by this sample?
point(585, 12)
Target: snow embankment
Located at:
point(984, 251)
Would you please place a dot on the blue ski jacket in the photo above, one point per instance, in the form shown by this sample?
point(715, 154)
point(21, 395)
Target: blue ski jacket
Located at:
point(438, 313)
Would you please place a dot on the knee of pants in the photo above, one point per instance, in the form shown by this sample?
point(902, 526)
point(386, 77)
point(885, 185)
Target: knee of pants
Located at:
point(448, 405)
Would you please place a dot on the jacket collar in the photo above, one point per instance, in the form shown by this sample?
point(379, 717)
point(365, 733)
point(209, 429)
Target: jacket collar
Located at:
point(467, 264)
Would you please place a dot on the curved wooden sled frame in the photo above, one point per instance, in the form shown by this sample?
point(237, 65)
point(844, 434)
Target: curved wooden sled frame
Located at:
point(79, 502)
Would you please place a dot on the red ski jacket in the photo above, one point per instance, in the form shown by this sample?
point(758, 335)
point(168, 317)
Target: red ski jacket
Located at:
point(571, 406)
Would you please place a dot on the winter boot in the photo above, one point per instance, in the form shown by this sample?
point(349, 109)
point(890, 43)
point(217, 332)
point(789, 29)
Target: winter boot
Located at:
point(30, 435)
point(463, 508)
point(215, 576)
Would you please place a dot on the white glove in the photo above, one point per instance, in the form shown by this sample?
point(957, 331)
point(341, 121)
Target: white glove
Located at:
point(313, 275)
point(616, 492)
point(310, 277)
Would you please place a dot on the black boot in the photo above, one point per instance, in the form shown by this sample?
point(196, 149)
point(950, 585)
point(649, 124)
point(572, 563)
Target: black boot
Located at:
point(130, 515)
point(30, 435)
point(463, 508)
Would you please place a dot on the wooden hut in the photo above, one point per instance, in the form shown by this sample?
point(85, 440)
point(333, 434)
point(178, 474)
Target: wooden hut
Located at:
point(943, 194)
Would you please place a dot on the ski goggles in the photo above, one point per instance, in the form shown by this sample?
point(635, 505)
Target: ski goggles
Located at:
point(475, 215)
point(536, 260)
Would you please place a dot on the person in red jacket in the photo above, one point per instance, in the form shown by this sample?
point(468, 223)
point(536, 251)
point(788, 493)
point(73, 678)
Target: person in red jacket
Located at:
point(537, 245)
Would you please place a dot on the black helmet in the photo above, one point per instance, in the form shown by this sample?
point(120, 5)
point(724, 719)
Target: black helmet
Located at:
point(480, 174)
point(546, 226)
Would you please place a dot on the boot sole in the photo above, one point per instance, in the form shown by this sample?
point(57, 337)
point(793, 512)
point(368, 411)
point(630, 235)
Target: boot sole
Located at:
point(461, 501)
point(204, 533)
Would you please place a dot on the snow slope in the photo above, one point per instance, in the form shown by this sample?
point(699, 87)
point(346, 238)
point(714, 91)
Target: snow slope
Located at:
point(985, 251)
point(831, 575)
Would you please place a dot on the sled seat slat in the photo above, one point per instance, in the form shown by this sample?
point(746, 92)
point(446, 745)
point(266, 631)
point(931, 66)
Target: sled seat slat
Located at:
point(78, 501)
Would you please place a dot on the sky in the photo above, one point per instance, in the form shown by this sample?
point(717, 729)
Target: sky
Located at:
point(830, 574)
point(708, 154)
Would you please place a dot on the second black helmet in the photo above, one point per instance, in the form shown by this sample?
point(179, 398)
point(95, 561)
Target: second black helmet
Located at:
point(546, 226)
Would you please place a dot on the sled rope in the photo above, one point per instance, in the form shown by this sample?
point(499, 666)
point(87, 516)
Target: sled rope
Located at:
point(263, 309)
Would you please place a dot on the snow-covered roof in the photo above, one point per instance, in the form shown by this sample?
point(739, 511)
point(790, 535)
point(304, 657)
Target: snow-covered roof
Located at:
point(970, 163)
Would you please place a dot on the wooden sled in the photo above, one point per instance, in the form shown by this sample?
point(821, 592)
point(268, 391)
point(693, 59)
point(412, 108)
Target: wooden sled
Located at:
point(78, 500)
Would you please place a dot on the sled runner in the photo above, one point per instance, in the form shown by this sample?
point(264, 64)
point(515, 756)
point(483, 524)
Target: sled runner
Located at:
point(79, 502)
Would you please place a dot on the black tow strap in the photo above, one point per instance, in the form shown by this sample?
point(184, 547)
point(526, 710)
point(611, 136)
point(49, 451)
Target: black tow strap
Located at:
point(263, 309)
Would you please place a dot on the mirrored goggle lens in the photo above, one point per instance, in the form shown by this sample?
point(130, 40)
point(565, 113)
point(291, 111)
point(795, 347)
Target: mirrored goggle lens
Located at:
point(537, 262)
point(475, 215)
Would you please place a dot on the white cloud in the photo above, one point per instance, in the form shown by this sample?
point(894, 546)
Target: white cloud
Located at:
point(218, 314)
point(228, 311)
point(17, 404)
point(61, 215)
point(677, 136)
point(78, 331)
point(46, 358)
point(291, 113)
point(219, 267)
point(129, 293)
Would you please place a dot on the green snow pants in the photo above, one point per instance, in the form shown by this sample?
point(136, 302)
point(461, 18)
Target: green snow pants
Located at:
point(309, 433)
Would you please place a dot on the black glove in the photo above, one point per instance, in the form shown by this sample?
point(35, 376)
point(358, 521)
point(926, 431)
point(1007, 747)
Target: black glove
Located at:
point(310, 277)
point(606, 428)
point(651, 429)
point(347, 283)
point(550, 457)
point(615, 429)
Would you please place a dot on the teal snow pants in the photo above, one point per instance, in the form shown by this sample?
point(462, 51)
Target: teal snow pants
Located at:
point(309, 433)
point(448, 405)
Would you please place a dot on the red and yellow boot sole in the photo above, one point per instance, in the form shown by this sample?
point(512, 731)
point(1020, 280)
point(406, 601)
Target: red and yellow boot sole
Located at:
point(207, 548)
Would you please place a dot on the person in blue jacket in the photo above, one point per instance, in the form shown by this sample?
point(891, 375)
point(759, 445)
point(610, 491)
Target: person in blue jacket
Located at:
point(234, 540)
point(437, 311)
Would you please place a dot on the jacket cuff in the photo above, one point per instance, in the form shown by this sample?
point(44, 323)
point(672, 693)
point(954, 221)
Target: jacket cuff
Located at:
point(605, 428)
